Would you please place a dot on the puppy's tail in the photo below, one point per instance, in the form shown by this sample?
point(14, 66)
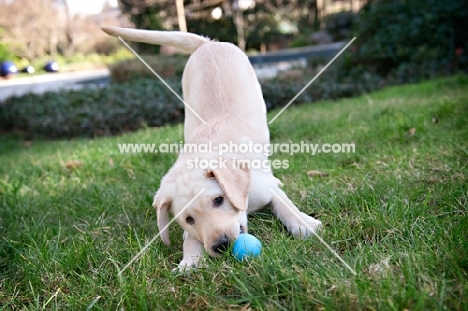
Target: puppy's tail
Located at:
point(187, 42)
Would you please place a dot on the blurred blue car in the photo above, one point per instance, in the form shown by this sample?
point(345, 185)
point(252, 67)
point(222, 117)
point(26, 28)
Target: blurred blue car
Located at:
point(7, 69)
point(28, 69)
point(51, 66)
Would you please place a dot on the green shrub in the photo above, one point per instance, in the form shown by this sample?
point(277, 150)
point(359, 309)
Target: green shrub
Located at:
point(408, 40)
point(168, 67)
point(92, 111)
point(300, 40)
point(330, 85)
point(5, 53)
point(340, 24)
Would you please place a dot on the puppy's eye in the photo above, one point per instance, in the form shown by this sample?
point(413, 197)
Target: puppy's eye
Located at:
point(218, 201)
point(190, 220)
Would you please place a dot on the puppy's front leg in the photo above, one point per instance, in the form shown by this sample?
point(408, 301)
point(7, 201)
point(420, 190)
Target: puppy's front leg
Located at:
point(193, 252)
point(297, 223)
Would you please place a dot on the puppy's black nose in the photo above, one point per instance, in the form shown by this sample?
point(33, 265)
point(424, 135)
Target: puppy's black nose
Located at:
point(221, 245)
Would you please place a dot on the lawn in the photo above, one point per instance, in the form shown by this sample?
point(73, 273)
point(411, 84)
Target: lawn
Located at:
point(74, 212)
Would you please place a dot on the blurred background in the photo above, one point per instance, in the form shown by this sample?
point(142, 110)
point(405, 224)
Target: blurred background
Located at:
point(288, 42)
point(68, 30)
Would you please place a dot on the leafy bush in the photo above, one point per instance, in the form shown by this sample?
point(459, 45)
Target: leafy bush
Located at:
point(166, 66)
point(331, 85)
point(301, 40)
point(407, 40)
point(93, 111)
point(340, 24)
point(5, 53)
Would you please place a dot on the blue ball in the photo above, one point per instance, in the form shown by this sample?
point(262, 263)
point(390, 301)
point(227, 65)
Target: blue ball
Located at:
point(246, 246)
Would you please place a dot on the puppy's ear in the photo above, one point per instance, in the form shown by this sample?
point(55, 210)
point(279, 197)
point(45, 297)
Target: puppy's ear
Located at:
point(235, 182)
point(163, 202)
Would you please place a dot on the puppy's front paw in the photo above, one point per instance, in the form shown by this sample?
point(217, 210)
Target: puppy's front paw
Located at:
point(184, 266)
point(305, 227)
point(190, 263)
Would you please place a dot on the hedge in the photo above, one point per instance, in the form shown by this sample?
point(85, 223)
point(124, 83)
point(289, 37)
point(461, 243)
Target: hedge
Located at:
point(407, 40)
point(120, 108)
point(92, 111)
point(168, 67)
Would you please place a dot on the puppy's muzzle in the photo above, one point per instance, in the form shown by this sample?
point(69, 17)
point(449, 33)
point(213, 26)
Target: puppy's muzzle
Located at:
point(221, 245)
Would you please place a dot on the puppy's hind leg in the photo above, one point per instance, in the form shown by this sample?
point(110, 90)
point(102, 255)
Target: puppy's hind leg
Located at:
point(299, 224)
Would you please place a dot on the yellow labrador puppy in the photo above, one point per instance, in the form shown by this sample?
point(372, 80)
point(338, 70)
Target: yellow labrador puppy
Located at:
point(220, 85)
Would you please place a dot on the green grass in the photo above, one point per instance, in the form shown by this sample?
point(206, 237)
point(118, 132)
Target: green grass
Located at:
point(396, 211)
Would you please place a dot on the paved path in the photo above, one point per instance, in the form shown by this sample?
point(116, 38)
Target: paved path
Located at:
point(79, 79)
point(52, 82)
